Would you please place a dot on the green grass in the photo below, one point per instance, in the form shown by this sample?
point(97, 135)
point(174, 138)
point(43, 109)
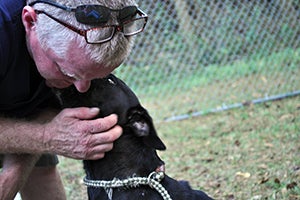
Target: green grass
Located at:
point(279, 63)
point(249, 153)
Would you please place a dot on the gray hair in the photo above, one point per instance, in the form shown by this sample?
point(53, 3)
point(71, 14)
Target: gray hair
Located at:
point(56, 37)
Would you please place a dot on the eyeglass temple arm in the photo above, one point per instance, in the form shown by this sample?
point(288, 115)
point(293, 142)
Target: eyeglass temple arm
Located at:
point(80, 32)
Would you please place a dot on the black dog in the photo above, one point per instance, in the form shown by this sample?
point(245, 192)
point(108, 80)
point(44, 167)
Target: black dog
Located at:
point(132, 170)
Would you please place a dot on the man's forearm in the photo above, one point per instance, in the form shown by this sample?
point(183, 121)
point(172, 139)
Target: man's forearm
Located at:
point(20, 136)
point(24, 135)
point(73, 132)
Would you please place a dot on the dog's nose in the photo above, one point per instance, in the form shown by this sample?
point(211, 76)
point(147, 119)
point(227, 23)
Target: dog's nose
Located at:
point(161, 168)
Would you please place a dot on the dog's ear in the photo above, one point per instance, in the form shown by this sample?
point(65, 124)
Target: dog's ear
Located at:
point(141, 124)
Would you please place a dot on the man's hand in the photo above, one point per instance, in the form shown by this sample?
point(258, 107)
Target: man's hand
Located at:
point(73, 134)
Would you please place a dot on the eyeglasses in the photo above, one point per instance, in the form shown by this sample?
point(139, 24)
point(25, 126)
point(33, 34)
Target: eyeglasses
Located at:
point(130, 23)
point(93, 14)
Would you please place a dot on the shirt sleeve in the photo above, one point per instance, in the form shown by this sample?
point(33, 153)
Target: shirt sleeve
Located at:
point(10, 17)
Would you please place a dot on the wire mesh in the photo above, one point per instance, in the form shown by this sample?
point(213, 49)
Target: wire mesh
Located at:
point(198, 56)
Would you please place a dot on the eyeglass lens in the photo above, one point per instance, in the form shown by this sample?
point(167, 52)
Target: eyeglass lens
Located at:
point(93, 14)
point(127, 13)
point(100, 35)
point(103, 34)
point(97, 14)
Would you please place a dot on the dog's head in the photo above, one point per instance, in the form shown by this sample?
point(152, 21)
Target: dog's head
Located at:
point(112, 95)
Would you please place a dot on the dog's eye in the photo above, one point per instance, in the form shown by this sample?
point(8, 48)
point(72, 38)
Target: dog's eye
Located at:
point(111, 81)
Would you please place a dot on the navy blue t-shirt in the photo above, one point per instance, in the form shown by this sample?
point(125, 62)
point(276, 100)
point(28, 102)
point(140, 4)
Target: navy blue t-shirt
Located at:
point(22, 89)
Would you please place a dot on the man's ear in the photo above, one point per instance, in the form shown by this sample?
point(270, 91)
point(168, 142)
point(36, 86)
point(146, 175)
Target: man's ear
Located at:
point(29, 17)
point(141, 124)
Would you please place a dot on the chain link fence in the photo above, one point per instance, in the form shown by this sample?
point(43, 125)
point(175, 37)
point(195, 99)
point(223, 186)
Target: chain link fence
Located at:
point(199, 56)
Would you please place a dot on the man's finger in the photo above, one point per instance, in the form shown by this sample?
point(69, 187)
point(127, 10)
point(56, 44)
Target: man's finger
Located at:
point(99, 151)
point(107, 137)
point(82, 112)
point(102, 124)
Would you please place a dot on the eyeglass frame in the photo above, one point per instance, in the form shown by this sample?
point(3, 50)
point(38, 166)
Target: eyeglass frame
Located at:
point(83, 32)
point(74, 9)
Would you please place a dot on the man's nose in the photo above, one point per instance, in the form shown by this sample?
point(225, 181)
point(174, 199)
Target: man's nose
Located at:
point(82, 86)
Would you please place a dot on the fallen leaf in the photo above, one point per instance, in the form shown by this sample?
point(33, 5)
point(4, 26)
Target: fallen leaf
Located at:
point(214, 184)
point(264, 79)
point(264, 180)
point(263, 166)
point(237, 143)
point(208, 159)
point(184, 169)
point(230, 197)
point(297, 171)
point(270, 145)
point(291, 186)
point(243, 174)
point(286, 117)
point(276, 180)
point(257, 197)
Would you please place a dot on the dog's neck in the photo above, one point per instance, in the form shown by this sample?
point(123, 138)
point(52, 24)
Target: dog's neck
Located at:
point(128, 158)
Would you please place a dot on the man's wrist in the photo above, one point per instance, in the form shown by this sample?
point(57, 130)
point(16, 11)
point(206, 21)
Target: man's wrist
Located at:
point(21, 136)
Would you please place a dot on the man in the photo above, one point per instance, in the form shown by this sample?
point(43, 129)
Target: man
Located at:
point(56, 43)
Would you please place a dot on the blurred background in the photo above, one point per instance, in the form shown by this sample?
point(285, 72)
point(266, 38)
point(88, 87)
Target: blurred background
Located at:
point(201, 56)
